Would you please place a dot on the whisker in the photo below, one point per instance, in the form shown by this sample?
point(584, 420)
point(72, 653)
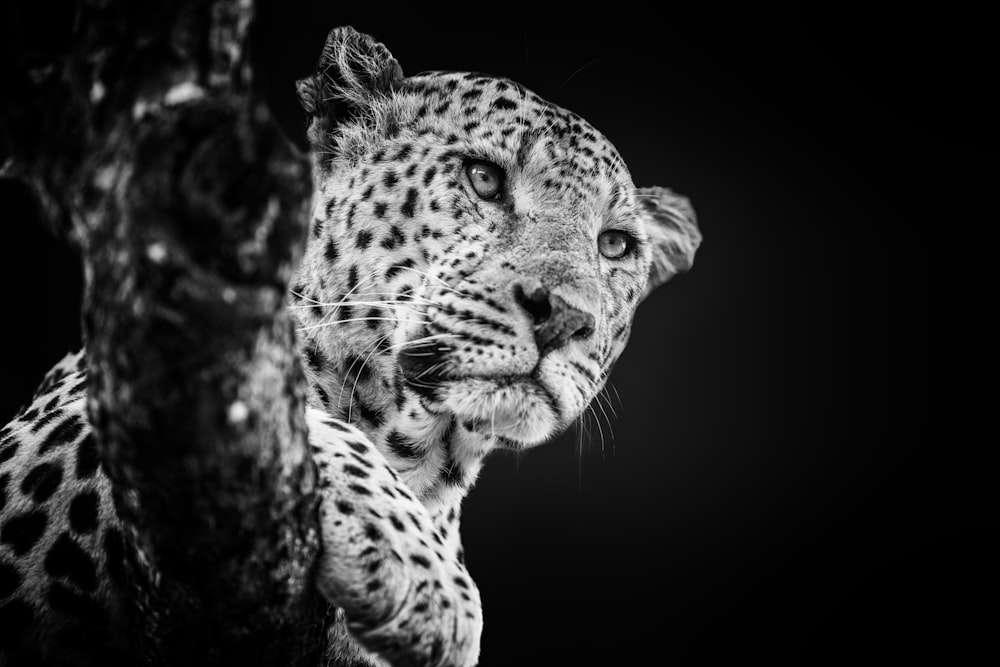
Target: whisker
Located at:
point(416, 383)
point(386, 302)
point(428, 276)
point(413, 311)
point(604, 394)
point(579, 450)
point(350, 400)
point(599, 429)
point(418, 342)
point(493, 422)
point(371, 275)
point(586, 434)
point(570, 77)
point(615, 389)
point(368, 303)
point(343, 384)
point(607, 419)
point(433, 368)
point(423, 339)
point(359, 319)
point(395, 295)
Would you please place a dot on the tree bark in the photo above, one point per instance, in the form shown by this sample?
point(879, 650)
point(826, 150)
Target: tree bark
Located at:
point(147, 148)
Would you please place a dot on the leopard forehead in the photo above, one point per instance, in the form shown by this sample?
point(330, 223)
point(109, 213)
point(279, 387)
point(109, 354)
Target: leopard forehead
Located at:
point(491, 117)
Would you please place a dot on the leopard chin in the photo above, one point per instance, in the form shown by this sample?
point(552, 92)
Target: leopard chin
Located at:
point(520, 411)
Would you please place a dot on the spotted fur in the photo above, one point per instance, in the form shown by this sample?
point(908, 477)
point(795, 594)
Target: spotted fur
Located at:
point(435, 326)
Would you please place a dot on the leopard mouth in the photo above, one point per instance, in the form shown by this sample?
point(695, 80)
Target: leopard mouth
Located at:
point(517, 409)
point(422, 367)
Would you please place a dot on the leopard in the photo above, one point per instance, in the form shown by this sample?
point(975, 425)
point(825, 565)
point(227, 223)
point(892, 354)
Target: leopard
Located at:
point(474, 261)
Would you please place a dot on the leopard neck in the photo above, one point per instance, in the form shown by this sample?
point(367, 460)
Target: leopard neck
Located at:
point(437, 455)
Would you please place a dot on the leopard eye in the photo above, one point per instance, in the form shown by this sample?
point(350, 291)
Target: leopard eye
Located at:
point(486, 178)
point(614, 244)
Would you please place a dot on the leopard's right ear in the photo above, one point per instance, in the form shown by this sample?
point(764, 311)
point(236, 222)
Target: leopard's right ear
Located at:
point(354, 73)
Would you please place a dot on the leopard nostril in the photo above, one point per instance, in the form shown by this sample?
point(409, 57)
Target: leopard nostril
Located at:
point(565, 323)
point(536, 303)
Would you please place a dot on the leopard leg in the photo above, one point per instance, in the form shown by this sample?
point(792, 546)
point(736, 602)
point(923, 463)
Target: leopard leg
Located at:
point(406, 594)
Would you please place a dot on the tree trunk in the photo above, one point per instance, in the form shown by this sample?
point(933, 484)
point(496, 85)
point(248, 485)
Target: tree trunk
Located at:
point(146, 147)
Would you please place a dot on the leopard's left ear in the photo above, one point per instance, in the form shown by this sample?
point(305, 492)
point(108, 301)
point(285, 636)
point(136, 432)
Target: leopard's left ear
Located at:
point(673, 230)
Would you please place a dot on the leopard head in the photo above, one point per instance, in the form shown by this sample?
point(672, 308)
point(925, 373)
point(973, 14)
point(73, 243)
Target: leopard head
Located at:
point(477, 254)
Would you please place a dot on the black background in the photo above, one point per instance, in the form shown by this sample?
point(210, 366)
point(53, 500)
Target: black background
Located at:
point(786, 481)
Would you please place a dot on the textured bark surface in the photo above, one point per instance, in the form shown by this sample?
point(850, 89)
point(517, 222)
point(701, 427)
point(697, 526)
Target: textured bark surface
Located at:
point(146, 147)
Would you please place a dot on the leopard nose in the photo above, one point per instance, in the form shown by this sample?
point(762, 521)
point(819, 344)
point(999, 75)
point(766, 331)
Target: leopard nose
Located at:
point(555, 321)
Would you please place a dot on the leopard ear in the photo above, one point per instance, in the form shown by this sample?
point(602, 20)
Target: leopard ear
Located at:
point(355, 72)
point(673, 230)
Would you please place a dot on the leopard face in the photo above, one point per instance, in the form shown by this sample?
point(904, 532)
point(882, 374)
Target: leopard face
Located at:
point(476, 257)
